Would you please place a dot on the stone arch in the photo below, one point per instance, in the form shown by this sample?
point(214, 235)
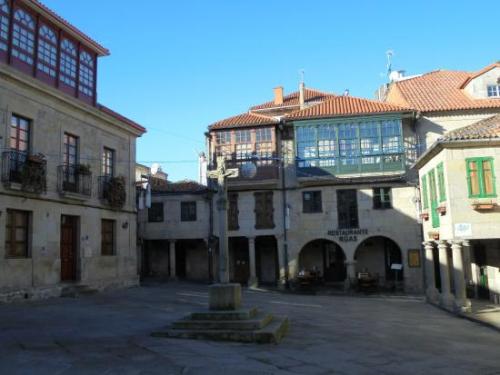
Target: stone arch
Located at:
point(325, 256)
point(376, 255)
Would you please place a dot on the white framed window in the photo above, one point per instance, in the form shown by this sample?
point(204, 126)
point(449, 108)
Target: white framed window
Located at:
point(4, 24)
point(223, 137)
point(243, 136)
point(47, 51)
point(23, 36)
point(86, 74)
point(68, 63)
point(493, 91)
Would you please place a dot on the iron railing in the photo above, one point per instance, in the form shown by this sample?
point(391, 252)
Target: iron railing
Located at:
point(29, 171)
point(75, 179)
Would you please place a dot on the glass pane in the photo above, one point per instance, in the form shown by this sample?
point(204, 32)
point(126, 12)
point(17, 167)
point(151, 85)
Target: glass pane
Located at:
point(474, 179)
point(488, 177)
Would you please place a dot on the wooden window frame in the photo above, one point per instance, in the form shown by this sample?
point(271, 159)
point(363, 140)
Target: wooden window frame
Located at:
point(480, 175)
point(186, 213)
point(108, 162)
point(315, 204)
point(441, 182)
point(105, 244)
point(12, 230)
point(264, 214)
point(382, 198)
point(341, 223)
point(156, 216)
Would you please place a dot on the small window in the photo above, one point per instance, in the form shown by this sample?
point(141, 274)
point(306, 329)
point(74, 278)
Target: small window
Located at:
point(481, 177)
point(243, 136)
point(108, 162)
point(493, 91)
point(86, 74)
point(188, 211)
point(425, 198)
point(17, 234)
point(311, 202)
point(441, 183)
point(382, 198)
point(23, 36)
point(107, 237)
point(155, 212)
point(232, 212)
point(68, 63)
point(264, 210)
point(223, 137)
point(47, 51)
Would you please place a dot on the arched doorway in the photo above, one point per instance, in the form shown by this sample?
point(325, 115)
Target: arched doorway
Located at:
point(326, 257)
point(379, 256)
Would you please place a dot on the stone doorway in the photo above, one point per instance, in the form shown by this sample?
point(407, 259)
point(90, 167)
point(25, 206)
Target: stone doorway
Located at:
point(325, 257)
point(266, 259)
point(239, 268)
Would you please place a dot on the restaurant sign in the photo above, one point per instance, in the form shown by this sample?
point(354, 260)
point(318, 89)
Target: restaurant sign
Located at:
point(347, 235)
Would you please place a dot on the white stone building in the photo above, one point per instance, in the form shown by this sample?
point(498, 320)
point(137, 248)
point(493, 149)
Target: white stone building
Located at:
point(461, 215)
point(67, 197)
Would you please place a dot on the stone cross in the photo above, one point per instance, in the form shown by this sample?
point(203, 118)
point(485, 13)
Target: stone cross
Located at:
point(221, 174)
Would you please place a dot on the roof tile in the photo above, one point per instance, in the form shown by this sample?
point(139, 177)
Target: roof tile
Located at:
point(310, 95)
point(244, 120)
point(485, 129)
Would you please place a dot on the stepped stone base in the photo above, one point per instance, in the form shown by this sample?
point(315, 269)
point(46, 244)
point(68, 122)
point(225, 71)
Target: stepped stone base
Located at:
point(244, 325)
point(74, 291)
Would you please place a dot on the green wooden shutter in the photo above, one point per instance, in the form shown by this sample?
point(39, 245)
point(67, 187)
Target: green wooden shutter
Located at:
point(441, 183)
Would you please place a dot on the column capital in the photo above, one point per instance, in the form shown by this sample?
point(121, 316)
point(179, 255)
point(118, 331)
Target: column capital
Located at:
point(251, 239)
point(456, 244)
point(429, 245)
point(465, 243)
point(442, 244)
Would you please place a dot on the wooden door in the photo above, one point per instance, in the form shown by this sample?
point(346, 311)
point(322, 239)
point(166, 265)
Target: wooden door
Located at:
point(68, 247)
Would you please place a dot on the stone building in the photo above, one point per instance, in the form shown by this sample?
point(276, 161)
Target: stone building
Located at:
point(461, 218)
point(67, 198)
point(332, 192)
point(175, 232)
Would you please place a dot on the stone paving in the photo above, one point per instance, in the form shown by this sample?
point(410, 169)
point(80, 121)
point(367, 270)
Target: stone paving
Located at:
point(109, 334)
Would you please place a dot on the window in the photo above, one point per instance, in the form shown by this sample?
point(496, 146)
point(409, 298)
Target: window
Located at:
point(264, 146)
point(108, 162)
point(68, 63)
point(263, 134)
point(86, 74)
point(19, 144)
point(311, 202)
point(107, 237)
point(23, 36)
point(493, 91)
point(425, 197)
point(188, 211)
point(243, 136)
point(4, 24)
point(155, 212)
point(264, 210)
point(232, 212)
point(441, 183)
point(70, 160)
point(369, 145)
point(243, 151)
point(223, 137)
point(17, 234)
point(382, 198)
point(481, 177)
point(47, 51)
point(347, 208)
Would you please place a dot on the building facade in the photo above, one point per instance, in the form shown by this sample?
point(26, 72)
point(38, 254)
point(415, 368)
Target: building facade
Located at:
point(67, 198)
point(460, 213)
point(332, 193)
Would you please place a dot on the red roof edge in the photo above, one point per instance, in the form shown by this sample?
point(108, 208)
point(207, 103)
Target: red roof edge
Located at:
point(38, 6)
point(119, 117)
point(480, 72)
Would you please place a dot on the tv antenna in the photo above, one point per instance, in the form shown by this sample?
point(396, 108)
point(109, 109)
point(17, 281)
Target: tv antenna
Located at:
point(389, 53)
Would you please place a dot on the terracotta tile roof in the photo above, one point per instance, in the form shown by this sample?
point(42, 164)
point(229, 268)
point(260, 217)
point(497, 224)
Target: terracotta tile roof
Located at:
point(310, 95)
point(484, 129)
point(244, 120)
point(54, 17)
point(438, 91)
point(346, 106)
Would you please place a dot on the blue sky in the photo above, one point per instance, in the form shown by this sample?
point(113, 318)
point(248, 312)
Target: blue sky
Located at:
point(177, 66)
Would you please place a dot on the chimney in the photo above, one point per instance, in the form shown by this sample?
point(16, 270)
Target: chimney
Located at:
point(278, 95)
point(301, 95)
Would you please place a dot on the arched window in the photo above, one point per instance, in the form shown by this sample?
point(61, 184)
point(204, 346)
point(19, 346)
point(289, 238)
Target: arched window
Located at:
point(4, 24)
point(68, 63)
point(47, 51)
point(23, 37)
point(86, 74)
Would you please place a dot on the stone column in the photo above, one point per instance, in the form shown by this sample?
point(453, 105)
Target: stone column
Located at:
point(281, 263)
point(446, 298)
point(431, 292)
point(252, 281)
point(171, 253)
point(462, 304)
point(350, 280)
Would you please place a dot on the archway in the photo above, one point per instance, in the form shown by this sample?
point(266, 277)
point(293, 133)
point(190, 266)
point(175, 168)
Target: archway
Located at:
point(379, 256)
point(324, 256)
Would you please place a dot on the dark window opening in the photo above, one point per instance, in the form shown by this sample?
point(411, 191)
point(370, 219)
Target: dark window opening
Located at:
point(264, 210)
point(311, 201)
point(188, 211)
point(155, 212)
point(107, 237)
point(17, 234)
point(382, 198)
point(347, 207)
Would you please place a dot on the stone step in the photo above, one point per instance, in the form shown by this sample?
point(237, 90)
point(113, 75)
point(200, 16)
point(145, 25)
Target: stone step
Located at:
point(270, 334)
point(258, 322)
point(241, 314)
point(73, 291)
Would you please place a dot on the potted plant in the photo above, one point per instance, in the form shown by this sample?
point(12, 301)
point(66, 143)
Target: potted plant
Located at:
point(83, 169)
point(33, 174)
point(116, 193)
point(441, 210)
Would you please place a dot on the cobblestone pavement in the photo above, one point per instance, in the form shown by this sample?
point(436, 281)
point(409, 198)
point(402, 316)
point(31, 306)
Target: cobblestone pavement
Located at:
point(109, 334)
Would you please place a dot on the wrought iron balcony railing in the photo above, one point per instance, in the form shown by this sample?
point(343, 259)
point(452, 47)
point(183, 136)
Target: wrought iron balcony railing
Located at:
point(112, 190)
point(75, 179)
point(28, 171)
